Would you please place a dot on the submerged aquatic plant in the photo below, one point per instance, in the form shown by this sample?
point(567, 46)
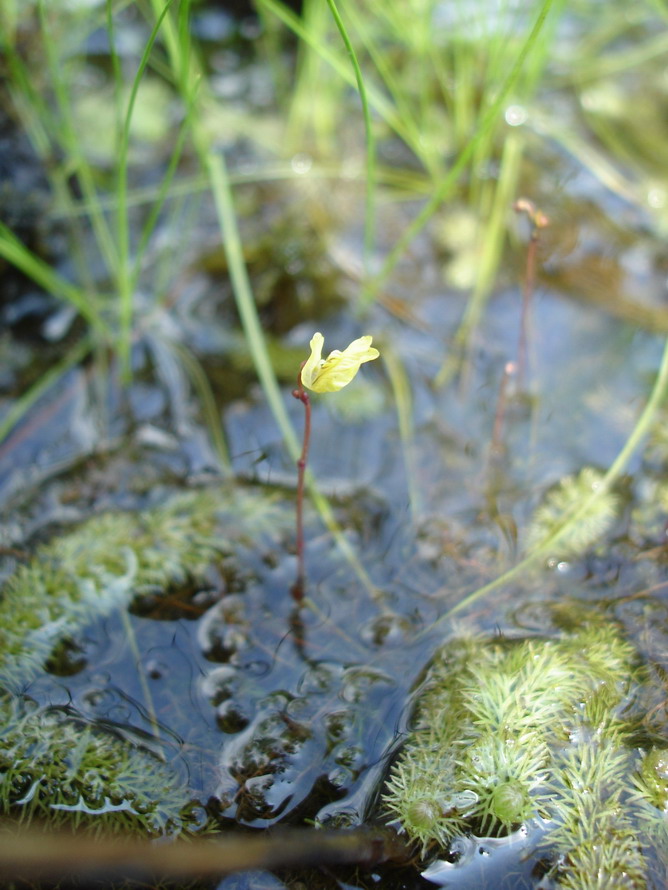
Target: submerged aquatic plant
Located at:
point(322, 375)
point(553, 515)
point(56, 769)
point(109, 560)
point(60, 768)
point(510, 732)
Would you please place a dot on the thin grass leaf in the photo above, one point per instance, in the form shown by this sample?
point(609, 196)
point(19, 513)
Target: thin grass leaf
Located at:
point(123, 273)
point(639, 432)
point(69, 138)
point(443, 189)
point(369, 213)
point(26, 400)
point(564, 499)
point(16, 253)
point(403, 400)
point(210, 411)
point(158, 198)
point(491, 249)
point(377, 99)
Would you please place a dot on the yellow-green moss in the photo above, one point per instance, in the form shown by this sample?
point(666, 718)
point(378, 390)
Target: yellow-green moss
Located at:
point(509, 732)
point(111, 558)
point(53, 765)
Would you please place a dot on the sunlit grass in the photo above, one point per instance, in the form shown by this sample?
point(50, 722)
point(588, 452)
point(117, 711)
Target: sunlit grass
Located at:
point(440, 90)
point(436, 80)
point(89, 196)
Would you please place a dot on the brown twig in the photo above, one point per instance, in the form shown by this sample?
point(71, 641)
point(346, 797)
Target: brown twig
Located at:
point(31, 853)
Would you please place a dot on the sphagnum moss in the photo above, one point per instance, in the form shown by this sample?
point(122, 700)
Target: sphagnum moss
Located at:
point(63, 770)
point(563, 500)
point(108, 560)
point(510, 732)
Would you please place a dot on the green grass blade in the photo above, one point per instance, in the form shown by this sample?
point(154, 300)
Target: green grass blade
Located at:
point(410, 113)
point(123, 276)
point(377, 100)
point(448, 182)
point(369, 215)
point(403, 400)
point(69, 140)
point(207, 402)
point(158, 200)
point(642, 427)
point(493, 238)
point(40, 120)
point(16, 253)
point(214, 164)
point(25, 402)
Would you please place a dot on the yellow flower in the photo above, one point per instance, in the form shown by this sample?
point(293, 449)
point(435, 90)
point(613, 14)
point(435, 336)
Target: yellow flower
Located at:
point(339, 368)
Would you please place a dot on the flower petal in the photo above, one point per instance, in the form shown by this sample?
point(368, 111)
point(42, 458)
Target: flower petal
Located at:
point(339, 368)
point(314, 362)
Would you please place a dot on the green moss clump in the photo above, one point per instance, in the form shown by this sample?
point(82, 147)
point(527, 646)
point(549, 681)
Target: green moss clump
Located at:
point(509, 732)
point(96, 569)
point(563, 501)
point(114, 557)
point(62, 771)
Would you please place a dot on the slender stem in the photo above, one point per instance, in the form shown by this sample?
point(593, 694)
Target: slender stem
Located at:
point(496, 446)
point(527, 297)
point(537, 221)
point(301, 394)
point(193, 88)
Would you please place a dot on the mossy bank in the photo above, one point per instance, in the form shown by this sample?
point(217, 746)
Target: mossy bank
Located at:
point(540, 733)
point(56, 764)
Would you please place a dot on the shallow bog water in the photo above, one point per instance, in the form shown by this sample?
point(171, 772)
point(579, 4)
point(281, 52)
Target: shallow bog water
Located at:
point(273, 713)
point(270, 713)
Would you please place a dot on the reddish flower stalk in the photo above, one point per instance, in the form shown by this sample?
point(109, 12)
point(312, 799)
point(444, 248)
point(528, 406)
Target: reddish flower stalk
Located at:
point(537, 221)
point(496, 446)
point(322, 375)
point(301, 394)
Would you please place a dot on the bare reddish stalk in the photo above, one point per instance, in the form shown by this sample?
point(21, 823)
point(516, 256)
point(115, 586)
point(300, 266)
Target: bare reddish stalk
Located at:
point(538, 221)
point(496, 446)
point(301, 394)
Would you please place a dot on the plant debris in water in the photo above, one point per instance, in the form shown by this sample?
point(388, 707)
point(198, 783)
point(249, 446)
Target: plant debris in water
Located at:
point(536, 733)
